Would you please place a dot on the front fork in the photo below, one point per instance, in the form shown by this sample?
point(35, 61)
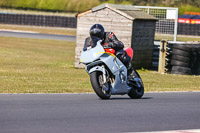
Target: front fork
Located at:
point(104, 74)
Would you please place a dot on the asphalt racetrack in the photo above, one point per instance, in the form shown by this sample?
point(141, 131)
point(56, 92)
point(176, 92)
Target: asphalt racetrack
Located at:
point(86, 113)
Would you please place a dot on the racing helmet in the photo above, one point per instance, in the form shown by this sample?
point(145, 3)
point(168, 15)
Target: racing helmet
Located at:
point(97, 30)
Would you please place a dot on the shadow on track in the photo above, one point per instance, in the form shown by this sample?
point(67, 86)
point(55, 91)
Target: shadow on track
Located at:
point(127, 98)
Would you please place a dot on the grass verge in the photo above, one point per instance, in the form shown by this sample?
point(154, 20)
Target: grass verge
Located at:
point(39, 66)
point(46, 66)
point(183, 38)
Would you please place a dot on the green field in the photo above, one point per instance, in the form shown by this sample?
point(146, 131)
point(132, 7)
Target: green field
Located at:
point(46, 66)
point(39, 66)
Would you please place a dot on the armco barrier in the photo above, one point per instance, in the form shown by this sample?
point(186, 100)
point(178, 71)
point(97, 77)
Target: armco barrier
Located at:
point(38, 20)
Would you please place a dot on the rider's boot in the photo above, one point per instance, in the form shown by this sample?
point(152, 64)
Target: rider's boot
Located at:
point(131, 72)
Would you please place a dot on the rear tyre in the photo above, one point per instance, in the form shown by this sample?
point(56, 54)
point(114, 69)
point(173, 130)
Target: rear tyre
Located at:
point(137, 90)
point(103, 90)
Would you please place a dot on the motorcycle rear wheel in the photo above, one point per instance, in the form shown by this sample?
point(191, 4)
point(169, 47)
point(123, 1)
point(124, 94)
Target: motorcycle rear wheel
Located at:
point(102, 90)
point(137, 90)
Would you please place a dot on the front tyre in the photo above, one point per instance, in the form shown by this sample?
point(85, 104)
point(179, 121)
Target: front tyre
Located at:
point(103, 90)
point(137, 90)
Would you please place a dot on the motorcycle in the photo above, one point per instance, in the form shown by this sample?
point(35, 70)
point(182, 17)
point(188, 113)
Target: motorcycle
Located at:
point(108, 75)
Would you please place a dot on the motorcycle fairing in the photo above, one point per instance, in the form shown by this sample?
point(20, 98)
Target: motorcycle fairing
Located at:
point(116, 67)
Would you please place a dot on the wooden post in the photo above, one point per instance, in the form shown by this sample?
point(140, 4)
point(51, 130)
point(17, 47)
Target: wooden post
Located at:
point(162, 55)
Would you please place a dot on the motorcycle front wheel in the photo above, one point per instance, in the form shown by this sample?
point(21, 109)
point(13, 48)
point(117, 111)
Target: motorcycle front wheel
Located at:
point(101, 89)
point(137, 90)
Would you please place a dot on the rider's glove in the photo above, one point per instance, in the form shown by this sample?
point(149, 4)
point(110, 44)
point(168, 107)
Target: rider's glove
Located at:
point(112, 45)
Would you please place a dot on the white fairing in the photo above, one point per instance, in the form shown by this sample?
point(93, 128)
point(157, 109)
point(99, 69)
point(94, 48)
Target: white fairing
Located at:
point(92, 54)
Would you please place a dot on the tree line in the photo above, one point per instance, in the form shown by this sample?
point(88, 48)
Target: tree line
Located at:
point(50, 5)
point(83, 5)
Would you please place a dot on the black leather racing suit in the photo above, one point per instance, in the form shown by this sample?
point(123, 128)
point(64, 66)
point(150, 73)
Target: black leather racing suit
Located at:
point(110, 40)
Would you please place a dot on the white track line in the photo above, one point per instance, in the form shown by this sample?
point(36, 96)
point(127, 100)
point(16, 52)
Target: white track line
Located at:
point(19, 31)
point(173, 131)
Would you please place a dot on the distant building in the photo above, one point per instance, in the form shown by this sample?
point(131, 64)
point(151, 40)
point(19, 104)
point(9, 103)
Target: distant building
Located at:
point(131, 26)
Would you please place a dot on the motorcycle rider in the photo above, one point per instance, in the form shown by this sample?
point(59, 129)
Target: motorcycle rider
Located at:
point(110, 40)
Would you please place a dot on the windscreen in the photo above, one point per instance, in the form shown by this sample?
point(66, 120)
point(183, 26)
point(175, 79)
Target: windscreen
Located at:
point(90, 42)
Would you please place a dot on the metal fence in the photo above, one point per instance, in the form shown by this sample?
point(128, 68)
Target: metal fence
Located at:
point(167, 24)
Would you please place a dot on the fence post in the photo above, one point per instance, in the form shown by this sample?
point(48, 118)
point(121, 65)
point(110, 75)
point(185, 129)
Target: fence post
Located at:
point(162, 55)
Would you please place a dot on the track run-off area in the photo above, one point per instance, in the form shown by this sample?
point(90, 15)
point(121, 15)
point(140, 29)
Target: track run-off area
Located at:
point(35, 35)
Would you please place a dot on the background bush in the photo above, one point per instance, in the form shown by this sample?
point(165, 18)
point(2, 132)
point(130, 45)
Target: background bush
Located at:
point(50, 5)
point(83, 5)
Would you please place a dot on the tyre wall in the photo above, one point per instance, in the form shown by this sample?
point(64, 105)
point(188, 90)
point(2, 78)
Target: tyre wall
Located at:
point(183, 58)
